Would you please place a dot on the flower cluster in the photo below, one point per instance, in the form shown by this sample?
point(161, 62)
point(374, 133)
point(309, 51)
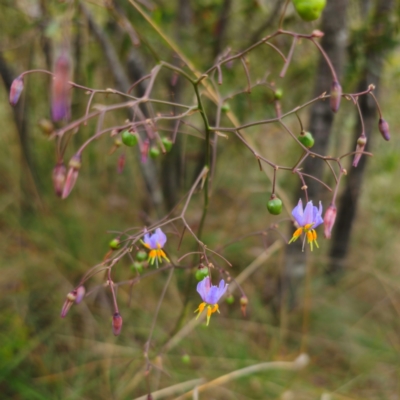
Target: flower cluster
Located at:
point(307, 220)
point(210, 296)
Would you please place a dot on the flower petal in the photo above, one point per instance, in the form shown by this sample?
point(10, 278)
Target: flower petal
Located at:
point(216, 292)
point(298, 214)
point(309, 213)
point(161, 238)
point(317, 217)
point(203, 288)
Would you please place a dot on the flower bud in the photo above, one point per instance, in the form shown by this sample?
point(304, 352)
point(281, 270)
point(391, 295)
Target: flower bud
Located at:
point(361, 142)
point(317, 33)
point(59, 176)
point(384, 129)
point(144, 150)
point(16, 89)
point(329, 220)
point(71, 297)
point(73, 172)
point(46, 126)
point(336, 96)
point(117, 324)
point(121, 163)
point(243, 304)
point(80, 294)
point(60, 107)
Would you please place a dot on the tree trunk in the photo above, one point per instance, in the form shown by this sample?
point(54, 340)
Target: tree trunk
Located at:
point(377, 38)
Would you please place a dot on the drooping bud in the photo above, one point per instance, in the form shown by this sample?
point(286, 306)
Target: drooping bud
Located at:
point(80, 294)
point(60, 96)
point(121, 163)
point(317, 33)
point(361, 142)
point(16, 89)
point(336, 96)
point(70, 299)
point(384, 129)
point(144, 150)
point(117, 324)
point(73, 172)
point(329, 220)
point(59, 176)
point(243, 304)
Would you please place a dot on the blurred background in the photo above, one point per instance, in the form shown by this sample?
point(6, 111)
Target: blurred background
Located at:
point(340, 304)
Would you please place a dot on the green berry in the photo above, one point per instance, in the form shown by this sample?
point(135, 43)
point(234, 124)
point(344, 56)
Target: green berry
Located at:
point(141, 255)
point(154, 152)
point(115, 244)
point(137, 267)
point(167, 144)
point(278, 94)
point(306, 139)
point(185, 359)
point(201, 273)
point(230, 299)
point(274, 205)
point(226, 107)
point(129, 139)
point(309, 10)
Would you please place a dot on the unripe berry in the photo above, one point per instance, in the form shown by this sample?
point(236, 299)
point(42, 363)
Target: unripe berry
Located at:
point(141, 255)
point(306, 139)
point(167, 144)
point(201, 273)
point(230, 299)
point(129, 139)
point(137, 267)
point(274, 205)
point(115, 244)
point(154, 152)
point(309, 10)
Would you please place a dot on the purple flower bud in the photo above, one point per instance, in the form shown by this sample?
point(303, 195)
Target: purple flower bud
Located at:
point(60, 107)
point(361, 142)
point(384, 129)
point(71, 297)
point(144, 150)
point(243, 304)
point(336, 96)
point(117, 324)
point(72, 176)
point(16, 89)
point(80, 294)
point(329, 220)
point(121, 163)
point(59, 176)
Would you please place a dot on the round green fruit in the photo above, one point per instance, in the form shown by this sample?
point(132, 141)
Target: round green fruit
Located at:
point(201, 273)
point(154, 152)
point(309, 10)
point(306, 139)
point(115, 244)
point(225, 107)
point(278, 94)
point(129, 139)
point(230, 299)
point(141, 255)
point(185, 359)
point(274, 206)
point(167, 144)
point(137, 267)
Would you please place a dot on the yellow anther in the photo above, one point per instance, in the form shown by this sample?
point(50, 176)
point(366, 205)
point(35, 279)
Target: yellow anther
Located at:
point(296, 235)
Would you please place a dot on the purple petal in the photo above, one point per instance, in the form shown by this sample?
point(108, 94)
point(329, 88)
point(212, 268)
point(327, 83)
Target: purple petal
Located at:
point(298, 213)
point(317, 217)
point(161, 238)
point(309, 213)
point(203, 287)
point(216, 292)
point(146, 239)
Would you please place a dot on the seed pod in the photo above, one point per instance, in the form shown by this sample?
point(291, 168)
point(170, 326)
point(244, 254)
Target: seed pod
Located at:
point(16, 89)
point(117, 324)
point(329, 220)
point(73, 172)
point(384, 129)
point(336, 96)
point(59, 177)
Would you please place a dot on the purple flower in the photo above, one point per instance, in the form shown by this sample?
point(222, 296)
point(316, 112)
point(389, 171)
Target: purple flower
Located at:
point(307, 220)
point(60, 103)
point(155, 242)
point(210, 296)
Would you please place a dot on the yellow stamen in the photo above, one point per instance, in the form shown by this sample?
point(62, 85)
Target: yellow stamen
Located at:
point(296, 235)
point(209, 312)
point(200, 309)
point(310, 239)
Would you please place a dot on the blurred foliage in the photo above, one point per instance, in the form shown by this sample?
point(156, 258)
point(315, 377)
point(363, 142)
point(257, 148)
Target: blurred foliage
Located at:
point(349, 330)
